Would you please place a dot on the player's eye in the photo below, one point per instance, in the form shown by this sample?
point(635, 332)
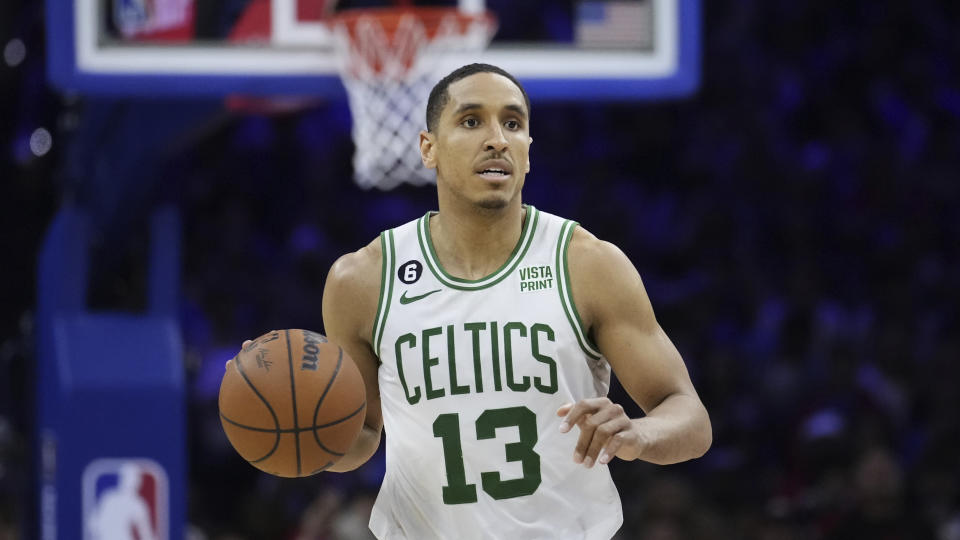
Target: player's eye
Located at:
point(512, 124)
point(470, 122)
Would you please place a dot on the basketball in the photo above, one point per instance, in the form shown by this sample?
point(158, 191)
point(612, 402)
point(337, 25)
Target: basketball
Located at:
point(292, 403)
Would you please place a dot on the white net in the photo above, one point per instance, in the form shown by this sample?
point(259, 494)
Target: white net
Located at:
point(388, 77)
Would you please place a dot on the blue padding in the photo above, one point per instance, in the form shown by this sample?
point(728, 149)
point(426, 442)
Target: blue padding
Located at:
point(64, 259)
point(61, 54)
point(181, 85)
point(111, 351)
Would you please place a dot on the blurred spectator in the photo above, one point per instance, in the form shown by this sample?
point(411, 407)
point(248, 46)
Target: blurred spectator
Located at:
point(880, 509)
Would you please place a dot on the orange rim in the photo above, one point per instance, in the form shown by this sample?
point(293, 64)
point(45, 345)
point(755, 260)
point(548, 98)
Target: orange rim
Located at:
point(390, 17)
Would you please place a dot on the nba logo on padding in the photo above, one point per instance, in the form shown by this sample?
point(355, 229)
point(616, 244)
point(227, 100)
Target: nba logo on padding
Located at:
point(125, 499)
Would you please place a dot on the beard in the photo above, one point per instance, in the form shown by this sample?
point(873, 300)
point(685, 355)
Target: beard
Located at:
point(493, 203)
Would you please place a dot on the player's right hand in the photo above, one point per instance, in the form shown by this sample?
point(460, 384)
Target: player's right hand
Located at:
point(605, 431)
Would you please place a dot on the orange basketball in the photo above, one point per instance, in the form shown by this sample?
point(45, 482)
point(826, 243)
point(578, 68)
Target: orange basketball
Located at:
point(292, 403)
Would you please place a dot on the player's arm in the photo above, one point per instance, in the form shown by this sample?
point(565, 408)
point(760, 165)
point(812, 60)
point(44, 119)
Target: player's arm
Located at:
point(350, 298)
point(614, 306)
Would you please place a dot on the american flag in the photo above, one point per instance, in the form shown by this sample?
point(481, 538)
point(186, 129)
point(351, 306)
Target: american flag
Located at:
point(141, 18)
point(615, 24)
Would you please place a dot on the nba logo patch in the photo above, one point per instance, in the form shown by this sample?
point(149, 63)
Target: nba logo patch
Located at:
point(125, 499)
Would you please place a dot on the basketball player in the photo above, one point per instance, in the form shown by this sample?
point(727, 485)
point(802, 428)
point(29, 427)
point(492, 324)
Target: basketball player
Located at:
point(486, 333)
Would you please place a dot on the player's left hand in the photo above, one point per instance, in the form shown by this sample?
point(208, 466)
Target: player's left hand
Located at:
point(226, 365)
point(605, 431)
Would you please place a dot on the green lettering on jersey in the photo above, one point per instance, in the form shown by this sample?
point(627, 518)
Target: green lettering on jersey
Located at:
point(411, 340)
point(429, 362)
point(524, 385)
point(457, 490)
point(526, 422)
point(536, 278)
point(535, 331)
point(452, 364)
point(474, 328)
point(495, 356)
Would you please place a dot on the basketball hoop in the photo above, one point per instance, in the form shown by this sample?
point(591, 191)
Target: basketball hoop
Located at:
point(389, 59)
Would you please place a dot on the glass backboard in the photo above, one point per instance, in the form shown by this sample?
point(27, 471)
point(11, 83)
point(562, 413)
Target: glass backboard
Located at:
point(565, 50)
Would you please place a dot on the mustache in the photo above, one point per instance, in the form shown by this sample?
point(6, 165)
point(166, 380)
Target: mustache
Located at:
point(495, 155)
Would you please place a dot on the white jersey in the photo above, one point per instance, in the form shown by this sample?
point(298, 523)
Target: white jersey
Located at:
point(472, 373)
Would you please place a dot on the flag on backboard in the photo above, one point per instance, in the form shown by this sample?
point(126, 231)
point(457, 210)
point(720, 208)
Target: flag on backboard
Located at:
point(616, 24)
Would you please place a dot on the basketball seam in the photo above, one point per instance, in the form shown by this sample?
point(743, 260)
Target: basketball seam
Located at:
point(293, 394)
point(316, 410)
point(292, 430)
point(321, 469)
point(344, 419)
point(340, 420)
point(276, 421)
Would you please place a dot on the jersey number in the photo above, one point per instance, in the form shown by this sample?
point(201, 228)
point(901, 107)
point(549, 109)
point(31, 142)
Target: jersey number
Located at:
point(457, 490)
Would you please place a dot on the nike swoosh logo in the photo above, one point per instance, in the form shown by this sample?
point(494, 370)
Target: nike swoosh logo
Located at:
point(404, 299)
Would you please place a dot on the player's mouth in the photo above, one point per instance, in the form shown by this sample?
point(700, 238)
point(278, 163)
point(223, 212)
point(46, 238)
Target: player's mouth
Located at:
point(496, 169)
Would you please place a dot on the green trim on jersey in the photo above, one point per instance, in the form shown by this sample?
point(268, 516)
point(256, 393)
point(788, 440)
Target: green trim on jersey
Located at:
point(387, 267)
point(566, 292)
point(433, 262)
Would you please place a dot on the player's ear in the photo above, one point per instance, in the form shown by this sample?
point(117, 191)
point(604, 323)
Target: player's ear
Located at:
point(428, 150)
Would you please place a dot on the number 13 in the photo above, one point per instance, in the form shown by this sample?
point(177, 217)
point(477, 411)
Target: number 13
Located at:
point(457, 490)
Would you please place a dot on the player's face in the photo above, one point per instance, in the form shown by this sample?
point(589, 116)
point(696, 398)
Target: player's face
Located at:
point(481, 146)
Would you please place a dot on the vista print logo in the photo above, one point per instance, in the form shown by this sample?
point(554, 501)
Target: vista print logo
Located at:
point(125, 499)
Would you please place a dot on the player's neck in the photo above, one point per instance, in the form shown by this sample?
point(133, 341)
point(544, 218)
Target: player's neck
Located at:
point(473, 244)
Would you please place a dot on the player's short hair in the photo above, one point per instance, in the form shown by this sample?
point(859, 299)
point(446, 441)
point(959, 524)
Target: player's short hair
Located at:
point(439, 95)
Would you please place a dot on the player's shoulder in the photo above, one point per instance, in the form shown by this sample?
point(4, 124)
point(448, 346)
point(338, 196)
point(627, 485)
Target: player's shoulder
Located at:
point(358, 271)
point(351, 292)
point(600, 272)
point(588, 252)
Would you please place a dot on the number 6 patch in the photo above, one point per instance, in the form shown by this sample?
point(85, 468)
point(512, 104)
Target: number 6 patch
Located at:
point(410, 272)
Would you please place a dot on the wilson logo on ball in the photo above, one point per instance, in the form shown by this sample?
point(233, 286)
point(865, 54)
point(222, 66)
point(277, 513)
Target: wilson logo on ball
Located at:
point(311, 346)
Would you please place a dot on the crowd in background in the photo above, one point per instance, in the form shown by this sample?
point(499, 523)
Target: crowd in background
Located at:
point(796, 224)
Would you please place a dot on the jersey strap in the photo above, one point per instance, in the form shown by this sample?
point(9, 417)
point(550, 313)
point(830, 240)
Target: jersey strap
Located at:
point(566, 294)
point(387, 268)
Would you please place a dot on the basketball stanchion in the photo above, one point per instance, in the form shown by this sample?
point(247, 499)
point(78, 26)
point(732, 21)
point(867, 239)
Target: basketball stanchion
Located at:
point(389, 59)
point(110, 394)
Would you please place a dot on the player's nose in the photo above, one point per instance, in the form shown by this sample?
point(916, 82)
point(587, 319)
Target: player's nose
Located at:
point(496, 139)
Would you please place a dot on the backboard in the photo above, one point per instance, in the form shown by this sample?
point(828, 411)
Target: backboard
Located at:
point(564, 50)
